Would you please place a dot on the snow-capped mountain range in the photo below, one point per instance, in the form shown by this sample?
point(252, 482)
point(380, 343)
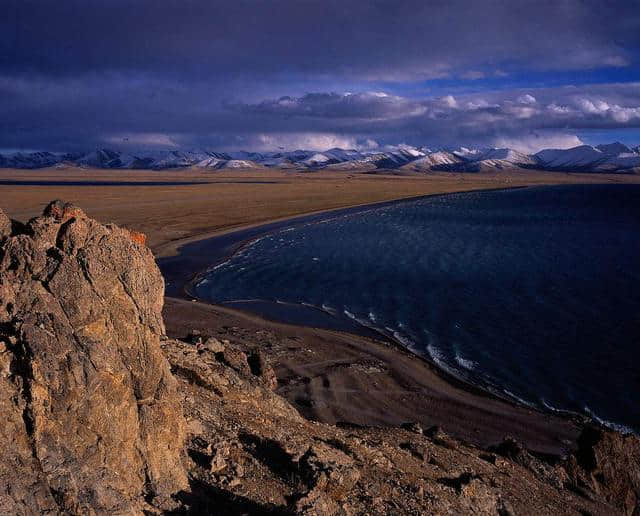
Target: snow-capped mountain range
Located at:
point(613, 157)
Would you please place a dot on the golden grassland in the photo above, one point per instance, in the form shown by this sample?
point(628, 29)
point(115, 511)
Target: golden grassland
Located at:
point(231, 199)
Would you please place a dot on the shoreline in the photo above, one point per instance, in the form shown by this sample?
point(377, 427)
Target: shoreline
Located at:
point(226, 243)
point(190, 248)
point(342, 378)
point(170, 249)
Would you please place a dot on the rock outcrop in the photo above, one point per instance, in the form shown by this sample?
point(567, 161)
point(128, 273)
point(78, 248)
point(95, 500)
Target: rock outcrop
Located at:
point(94, 422)
point(607, 464)
point(251, 453)
point(103, 413)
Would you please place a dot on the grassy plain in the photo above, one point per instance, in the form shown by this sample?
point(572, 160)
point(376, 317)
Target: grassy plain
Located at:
point(231, 199)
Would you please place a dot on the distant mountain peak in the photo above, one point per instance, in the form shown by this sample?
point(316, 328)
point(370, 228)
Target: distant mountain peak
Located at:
point(609, 157)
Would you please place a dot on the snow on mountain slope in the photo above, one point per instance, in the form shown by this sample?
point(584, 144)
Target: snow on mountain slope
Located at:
point(106, 158)
point(477, 160)
point(622, 162)
point(275, 159)
point(467, 154)
point(238, 163)
point(431, 160)
point(318, 160)
point(30, 159)
point(613, 149)
point(344, 154)
point(340, 159)
point(393, 158)
point(177, 159)
point(504, 156)
point(601, 158)
point(581, 156)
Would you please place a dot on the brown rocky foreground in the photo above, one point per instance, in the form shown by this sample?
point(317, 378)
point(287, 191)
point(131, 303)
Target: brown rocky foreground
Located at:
point(105, 414)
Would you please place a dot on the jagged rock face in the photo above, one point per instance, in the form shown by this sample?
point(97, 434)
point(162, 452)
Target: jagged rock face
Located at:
point(608, 464)
point(93, 418)
point(5, 226)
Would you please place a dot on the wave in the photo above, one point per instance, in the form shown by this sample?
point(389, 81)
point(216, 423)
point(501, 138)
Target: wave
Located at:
point(404, 340)
point(418, 291)
point(609, 424)
point(546, 405)
point(465, 363)
point(519, 399)
point(349, 314)
point(328, 309)
point(360, 321)
point(438, 358)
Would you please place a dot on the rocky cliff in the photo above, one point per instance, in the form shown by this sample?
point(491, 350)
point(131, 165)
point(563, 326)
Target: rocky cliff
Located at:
point(105, 414)
point(94, 419)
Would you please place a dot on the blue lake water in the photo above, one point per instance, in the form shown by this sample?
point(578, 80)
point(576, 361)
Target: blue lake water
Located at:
point(533, 293)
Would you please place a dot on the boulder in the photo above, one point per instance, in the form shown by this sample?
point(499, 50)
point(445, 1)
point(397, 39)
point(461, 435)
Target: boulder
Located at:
point(607, 463)
point(213, 345)
point(261, 368)
point(93, 420)
point(329, 471)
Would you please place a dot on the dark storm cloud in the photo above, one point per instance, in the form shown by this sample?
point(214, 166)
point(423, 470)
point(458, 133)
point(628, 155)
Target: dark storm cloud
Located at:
point(368, 105)
point(195, 72)
point(384, 39)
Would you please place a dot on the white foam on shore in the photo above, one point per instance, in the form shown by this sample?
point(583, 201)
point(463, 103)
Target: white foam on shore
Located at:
point(466, 363)
point(438, 358)
point(609, 424)
point(519, 399)
point(219, 266)
point(550, 407)
point(372, 317)
point(404, 340)
point(349, 314)
point(328, 309)
point(361, 322)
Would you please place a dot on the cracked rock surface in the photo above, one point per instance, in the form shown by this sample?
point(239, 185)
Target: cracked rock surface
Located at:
point(93, 417)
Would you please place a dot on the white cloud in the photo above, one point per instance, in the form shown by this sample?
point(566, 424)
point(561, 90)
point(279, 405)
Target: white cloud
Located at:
point(532, 143)
point(472, 105)
point(142, 140)
point(613, 111)
point(450, 101)
point(555, 108)
point(526, 99)
point(308, 141)
point(521, 112)
point(591, 107)
point(623, 115)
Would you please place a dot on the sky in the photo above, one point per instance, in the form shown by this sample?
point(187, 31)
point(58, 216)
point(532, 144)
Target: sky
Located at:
point(266, 75)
